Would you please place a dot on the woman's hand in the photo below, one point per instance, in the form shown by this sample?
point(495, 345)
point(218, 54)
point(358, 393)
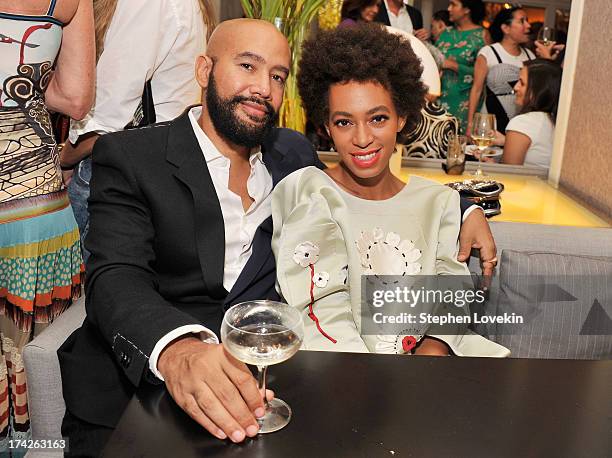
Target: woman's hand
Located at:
point(422, 34)
point(450, 64)
point(550, 51)
point(431, 347)
point(500, 139)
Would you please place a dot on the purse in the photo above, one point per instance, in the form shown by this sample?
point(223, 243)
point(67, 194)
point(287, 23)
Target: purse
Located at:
point(485, 194)
point(145, 112)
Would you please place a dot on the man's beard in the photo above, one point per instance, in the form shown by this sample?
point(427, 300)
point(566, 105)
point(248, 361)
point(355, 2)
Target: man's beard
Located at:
point(227, 123)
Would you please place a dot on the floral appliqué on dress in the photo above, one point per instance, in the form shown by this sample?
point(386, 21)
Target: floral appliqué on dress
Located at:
point(387, 254)
point(306, 254)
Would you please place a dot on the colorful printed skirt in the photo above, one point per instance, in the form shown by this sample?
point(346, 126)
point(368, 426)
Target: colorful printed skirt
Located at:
point(41, 272)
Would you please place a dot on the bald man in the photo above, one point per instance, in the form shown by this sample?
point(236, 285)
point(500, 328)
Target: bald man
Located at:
point(180, 230)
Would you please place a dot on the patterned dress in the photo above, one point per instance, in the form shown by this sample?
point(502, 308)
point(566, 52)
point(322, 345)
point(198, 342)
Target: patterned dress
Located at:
point(463, 47)
point(40, 258)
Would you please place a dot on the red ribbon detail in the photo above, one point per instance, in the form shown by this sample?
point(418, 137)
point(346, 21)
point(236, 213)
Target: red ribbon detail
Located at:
point(312, 315)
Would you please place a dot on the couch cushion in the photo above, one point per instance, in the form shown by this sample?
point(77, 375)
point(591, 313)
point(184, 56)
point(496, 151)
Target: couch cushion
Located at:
point(580, 241)
point(566, 302)
point(45, 400)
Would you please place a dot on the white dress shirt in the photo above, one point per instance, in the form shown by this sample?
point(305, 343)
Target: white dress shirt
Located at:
point(239, 225)
point(402, 21)
point(155, 40)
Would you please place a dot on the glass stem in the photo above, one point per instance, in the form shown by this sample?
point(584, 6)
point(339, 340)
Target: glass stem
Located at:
point(261, 383)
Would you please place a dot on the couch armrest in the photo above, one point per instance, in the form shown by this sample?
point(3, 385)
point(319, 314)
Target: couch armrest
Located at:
point(45, 400)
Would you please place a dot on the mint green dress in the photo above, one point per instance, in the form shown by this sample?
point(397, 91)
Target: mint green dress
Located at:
point(326, 239)
point(463, 46)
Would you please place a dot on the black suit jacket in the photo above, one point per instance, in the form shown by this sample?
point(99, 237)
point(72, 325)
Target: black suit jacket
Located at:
point(157, 254)
point(415, 16)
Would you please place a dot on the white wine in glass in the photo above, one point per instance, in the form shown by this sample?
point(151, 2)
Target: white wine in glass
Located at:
point(546, 36)
point(263, 333)
point(483, 135)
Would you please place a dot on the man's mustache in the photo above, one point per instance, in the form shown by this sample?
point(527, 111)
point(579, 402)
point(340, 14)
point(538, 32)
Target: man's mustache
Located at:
point(264, 103)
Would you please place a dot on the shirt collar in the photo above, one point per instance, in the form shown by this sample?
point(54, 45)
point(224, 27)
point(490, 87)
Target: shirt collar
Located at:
point(210, 151)
point(405, 2)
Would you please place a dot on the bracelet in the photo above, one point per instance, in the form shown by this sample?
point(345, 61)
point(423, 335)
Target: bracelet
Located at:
point(66, 168)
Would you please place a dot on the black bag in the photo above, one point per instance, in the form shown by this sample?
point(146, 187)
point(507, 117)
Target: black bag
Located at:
point(145, 113)
point(485, 194)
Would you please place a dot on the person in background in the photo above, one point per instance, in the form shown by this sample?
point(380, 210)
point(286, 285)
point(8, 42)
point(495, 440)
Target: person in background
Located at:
point(137, 41)
point(333, 226)
point(498, 65)
point(355, 11)
point(530, 134)
point(47, 64)
point(401, 15)
point(440, 21)
point(460, 45)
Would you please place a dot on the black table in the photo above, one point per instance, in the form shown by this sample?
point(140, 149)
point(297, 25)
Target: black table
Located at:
point(363, 405)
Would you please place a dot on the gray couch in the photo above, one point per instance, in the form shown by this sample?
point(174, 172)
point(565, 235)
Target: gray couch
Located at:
point(45, 399)
point(44, 382)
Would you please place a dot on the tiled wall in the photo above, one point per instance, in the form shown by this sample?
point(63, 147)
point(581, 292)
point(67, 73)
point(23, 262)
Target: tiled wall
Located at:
point(586, 172)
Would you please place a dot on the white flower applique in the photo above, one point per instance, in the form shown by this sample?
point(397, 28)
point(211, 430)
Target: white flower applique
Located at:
point(320, 279)
point(306, 253)
point(382, 254)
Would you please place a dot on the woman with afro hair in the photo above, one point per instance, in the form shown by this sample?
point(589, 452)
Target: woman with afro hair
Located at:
point(362, 84)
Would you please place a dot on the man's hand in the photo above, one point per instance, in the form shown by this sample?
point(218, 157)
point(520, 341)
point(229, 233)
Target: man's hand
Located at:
point(212, 387)
point(422, 34)
point(67, 176)
point(475, 233)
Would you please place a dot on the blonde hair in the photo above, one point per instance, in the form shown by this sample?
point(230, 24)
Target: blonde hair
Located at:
point(104, 10)
point(208, 14)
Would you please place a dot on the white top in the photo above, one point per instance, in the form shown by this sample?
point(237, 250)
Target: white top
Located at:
point(538, 126)
point(240, 226)
point(505, 56)
point(147, 39)
point(502, 77)
point(402, 21)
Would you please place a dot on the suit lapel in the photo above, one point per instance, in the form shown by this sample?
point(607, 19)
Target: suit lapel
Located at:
point(280, 163)
point(184, 152)
point(383, 15)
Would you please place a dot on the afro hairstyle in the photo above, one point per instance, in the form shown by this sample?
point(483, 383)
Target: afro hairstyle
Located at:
point(362, 53)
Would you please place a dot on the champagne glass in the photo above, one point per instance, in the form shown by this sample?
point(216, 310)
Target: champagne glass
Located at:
point(546, 36)
point(483, 135)
point(263, 333)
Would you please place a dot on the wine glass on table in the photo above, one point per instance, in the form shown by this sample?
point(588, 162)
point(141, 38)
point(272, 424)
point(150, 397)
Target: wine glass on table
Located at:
point(546, 36)
point(483, 135)
point(262, 333)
